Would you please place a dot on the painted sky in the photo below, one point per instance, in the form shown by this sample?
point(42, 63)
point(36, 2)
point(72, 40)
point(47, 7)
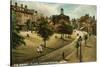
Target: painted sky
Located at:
point(48, 9)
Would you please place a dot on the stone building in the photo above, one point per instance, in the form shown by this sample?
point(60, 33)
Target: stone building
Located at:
point(88, 23)
point(61, 18)
point(24, 15)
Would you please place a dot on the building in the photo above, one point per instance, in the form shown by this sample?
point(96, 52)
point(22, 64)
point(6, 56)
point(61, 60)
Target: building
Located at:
point(61, 18)
point(24, 15)
point(88, 23)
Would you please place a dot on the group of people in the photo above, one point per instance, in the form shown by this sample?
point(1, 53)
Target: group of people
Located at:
point(80, 39)
point(40, 49)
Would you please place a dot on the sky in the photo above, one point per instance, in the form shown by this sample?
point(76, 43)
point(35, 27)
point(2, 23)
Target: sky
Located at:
point(48, 9)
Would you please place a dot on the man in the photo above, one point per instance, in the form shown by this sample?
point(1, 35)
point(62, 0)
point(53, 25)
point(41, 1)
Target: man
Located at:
point(38, 50)
point(77, 46)
point(41, 48)
point(85, 39)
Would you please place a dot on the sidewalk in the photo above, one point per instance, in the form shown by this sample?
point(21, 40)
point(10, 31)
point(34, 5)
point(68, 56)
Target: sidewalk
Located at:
point(56, 56)
point(88, 53)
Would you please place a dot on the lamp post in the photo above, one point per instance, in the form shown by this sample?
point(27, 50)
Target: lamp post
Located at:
point(80, 53)
point(80, 40)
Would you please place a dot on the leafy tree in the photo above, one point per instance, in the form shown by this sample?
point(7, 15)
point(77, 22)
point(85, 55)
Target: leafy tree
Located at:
point(17, 39)
point(64, 29)
point(29, 25)
point(44, 31)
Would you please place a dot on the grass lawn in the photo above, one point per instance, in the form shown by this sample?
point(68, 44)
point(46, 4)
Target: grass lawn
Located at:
point(28, 53)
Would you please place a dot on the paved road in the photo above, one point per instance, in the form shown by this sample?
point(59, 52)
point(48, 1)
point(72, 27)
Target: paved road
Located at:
point(69, 50)
point(57, 54)
point(88, 52)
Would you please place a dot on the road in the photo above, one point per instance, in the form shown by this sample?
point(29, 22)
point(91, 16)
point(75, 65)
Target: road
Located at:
point(56, 56)
point(88, 53)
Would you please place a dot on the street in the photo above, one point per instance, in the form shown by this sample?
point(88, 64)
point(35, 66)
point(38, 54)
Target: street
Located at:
point(54, 53)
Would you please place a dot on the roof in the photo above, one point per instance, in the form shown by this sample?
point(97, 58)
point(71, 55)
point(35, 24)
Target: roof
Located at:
point(22, 10)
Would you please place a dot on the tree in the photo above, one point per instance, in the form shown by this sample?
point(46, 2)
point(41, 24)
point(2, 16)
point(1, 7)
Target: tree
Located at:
point(64, 29)
point(77, 46)
point(44, 31)
point(17, 39)
point(29, 25)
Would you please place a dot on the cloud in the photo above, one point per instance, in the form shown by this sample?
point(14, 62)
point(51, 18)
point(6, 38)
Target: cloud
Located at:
point(48, 9)
point(82, 10)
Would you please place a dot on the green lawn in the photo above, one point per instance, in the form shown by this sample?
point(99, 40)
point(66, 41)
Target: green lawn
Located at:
point(28, 53)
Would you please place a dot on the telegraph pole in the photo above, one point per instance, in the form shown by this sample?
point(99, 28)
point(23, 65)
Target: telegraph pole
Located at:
point(80, 52)
point(80, 41)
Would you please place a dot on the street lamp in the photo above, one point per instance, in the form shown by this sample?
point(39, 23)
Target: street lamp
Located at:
point(80, 40)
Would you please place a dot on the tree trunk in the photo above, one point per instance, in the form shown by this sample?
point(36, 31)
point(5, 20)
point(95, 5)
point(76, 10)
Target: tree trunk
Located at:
point(85, 43)
point(61, 36)
point(77, 53)
point(44, 43)
point(38, 61)
point(31, 31)
point(63, 56)
point(80, 53)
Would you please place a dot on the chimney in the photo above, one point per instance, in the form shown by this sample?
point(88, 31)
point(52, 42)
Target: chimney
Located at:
point(21, 5)
point(93, 17)
point(25, 6)
point(33, 11)
point(36, 12)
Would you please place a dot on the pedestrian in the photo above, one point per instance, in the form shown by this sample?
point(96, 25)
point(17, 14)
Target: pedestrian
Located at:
point(77, 34)
point(55, 36)
point(38, 50)
point(41, 48)
point(63, 55)
point(80, 39)
point(89, 33)
point(85, 39)
point(28, 35)
point(77, 46)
